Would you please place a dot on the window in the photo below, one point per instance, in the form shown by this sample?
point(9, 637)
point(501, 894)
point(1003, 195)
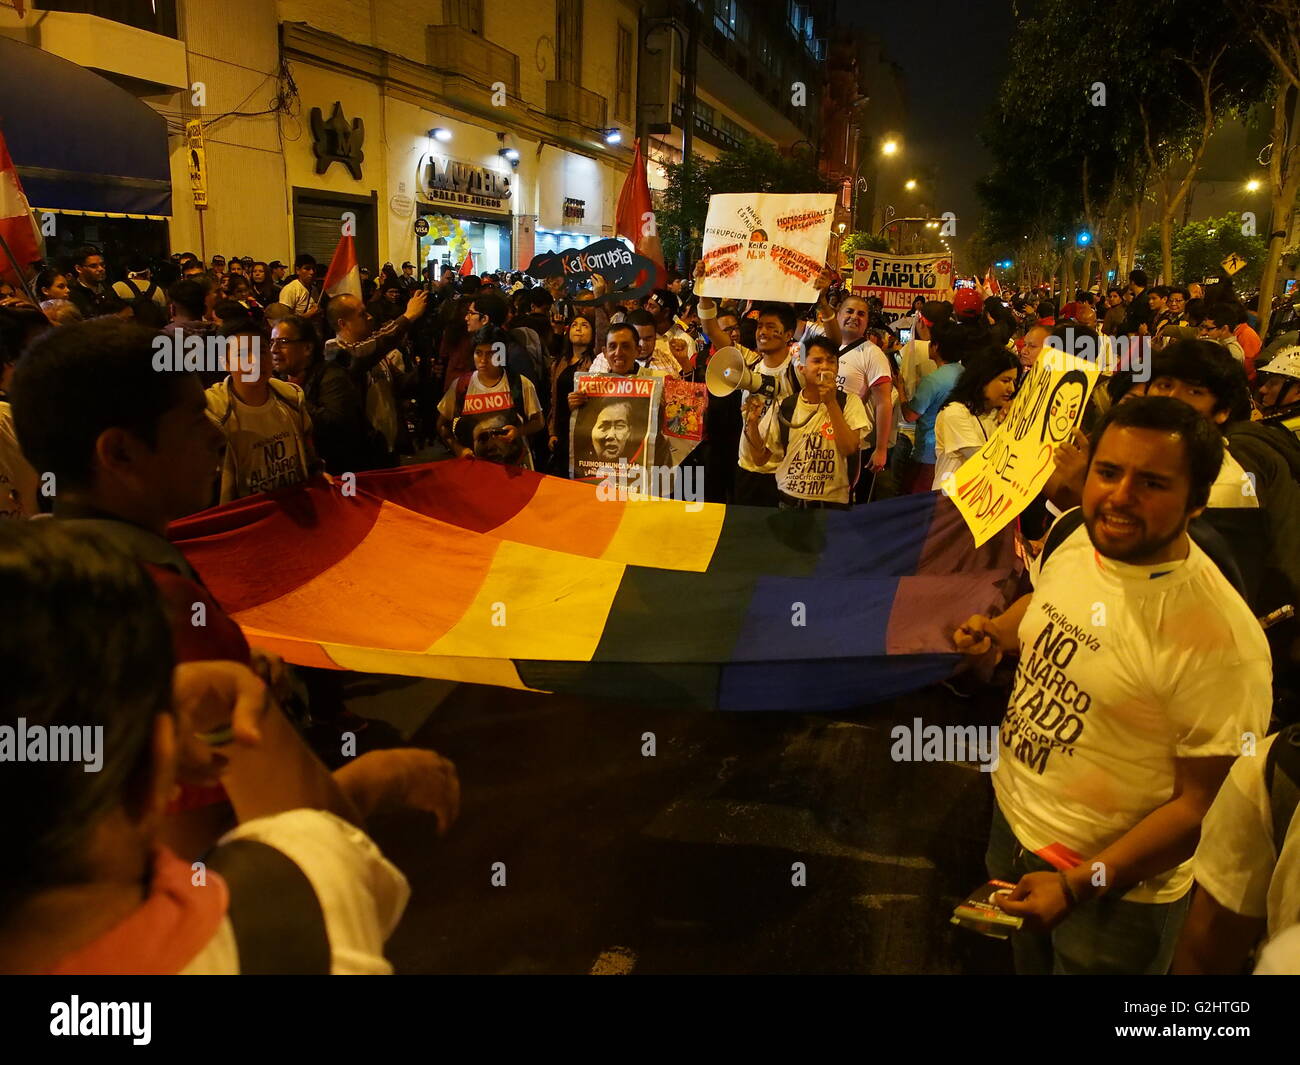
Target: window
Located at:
point(467, 14)
point(703, 113)
point(623, 88)
point(156, 16)
point(568, 41)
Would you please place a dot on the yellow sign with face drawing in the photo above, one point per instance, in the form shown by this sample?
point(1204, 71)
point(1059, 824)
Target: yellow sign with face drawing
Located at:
point(995, 484)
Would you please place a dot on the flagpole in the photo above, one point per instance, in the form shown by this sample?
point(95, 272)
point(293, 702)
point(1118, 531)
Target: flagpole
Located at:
point(22, 277)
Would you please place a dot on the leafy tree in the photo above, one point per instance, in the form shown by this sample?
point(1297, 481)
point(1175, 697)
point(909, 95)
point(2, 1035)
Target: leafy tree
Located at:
point(859, 241)
point(1199, 248)
point(754, 167)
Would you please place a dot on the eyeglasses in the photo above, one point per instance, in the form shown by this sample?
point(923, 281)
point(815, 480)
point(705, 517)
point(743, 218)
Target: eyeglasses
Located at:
point(279, 342)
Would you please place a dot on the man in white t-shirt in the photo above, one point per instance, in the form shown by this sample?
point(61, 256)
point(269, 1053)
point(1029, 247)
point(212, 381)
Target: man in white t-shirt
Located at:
point(866, 373)
point(492, 388)
point(812, 435)
point(1142, 675)
point(1247, 874)
point(300, 294)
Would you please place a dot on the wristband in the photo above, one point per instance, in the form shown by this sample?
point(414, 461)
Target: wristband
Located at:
point(706, 315)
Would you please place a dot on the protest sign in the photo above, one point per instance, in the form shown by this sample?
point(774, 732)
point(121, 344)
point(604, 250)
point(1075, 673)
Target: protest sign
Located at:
point(684, 404)
point(996, 483)
point(896, 280)
point(618, 423)
point(611, 258)
point(766, 245)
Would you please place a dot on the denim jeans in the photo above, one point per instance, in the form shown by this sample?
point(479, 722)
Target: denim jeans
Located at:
point(1107, 936)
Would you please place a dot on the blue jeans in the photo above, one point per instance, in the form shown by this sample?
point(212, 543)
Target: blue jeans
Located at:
point(1107, 936)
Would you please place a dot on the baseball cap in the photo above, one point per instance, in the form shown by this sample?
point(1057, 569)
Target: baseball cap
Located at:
point(967, 303)
point(936, 311)
point(275, 264)
point(405, 265)
point(1286, 363)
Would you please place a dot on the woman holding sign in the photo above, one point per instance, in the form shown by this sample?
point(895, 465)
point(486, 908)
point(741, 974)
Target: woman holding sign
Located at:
point(976, 404)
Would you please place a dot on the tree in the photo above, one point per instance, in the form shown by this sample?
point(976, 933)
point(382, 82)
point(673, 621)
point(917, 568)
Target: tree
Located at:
point(1199, 248)
point(859, 241)
point(1275, 27)
point(753, 167)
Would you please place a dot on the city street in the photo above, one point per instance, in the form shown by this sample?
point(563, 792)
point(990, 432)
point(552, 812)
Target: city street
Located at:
point(682, 862)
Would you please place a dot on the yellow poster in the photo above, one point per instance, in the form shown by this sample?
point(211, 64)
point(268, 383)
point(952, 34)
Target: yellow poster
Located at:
point(198, 161)
point(995, 484)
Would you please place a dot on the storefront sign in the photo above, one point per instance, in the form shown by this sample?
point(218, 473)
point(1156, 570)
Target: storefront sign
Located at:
point(401, 205)
point(421, 227)
point(445, 181)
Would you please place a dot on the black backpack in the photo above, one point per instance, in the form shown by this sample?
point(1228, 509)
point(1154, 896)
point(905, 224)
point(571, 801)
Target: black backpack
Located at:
point(785, 415)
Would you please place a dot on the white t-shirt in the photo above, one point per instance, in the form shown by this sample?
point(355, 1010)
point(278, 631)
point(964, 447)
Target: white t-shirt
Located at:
point(266, 446)
point(1232, 488)
point(861, 367)
point(956, 429)
point(1238, 861)
point(1281, 956)
point(781, 386)
point(811, 467)
point(493, 398)
point(662, 362)
point(362, 894)
point(18, 481)
point(1123, 669)
point(296, 297)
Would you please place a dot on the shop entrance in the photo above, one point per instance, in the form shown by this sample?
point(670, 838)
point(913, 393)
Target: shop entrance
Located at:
point(489, 241)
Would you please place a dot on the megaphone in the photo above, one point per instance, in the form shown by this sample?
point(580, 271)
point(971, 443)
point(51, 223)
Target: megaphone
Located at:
point(727, 372)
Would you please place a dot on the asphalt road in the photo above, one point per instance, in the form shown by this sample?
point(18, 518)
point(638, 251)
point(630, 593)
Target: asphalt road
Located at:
point(685, 862)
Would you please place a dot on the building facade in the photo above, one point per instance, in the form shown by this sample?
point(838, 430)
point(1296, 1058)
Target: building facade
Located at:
point(506, 126)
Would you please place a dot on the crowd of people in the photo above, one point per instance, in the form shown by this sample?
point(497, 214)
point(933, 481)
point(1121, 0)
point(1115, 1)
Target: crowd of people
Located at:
point(1174, 507)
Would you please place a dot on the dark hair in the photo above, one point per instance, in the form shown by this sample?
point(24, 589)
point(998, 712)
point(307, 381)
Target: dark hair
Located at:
point(1139, 278)
point(303, 259)
point(667, 299)
point(981, 367)
point(1065, 333)
point(19, 326)
point(306, 330)
point(148, 312)
point(84, 643)
point(1181, 291)
point(44, 280)
point(190, 296)
point(493, 307)
point(1160, 290)
point(823, 342)
point(491, 334)
point(241, 325)
point(1202, 443)
point(1114, 289)
point(780, 310)
point(79, 380)
point(1046, 309)
point(636, 337)
point(83, 253)
point(534, 298)
point(1205, 363)
point(1228, 312)
point(640, 317)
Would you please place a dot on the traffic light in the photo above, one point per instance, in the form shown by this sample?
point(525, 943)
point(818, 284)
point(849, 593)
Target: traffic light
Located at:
point(1084, 238)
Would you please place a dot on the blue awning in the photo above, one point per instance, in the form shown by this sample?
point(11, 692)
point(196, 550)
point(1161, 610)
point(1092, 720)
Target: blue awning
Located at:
point(80, 142)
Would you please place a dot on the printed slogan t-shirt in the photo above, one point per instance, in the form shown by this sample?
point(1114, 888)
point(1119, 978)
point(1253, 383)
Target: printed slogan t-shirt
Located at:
point(811, 466)
point(1123, 669)
point(484, 399)
point(267, 446)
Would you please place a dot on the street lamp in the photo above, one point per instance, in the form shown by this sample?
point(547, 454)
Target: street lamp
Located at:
point(911, 184)
point(890, 147)
point(1252, 185)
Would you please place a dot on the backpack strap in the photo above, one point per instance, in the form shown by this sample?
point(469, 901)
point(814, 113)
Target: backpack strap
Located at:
point(1282, 778)
point(462, 390)
point(276, 917)
point(1060, 530)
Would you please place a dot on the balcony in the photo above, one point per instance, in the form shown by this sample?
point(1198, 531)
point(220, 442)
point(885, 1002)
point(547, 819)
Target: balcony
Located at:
point(153, 16)
point(573, 103)
point(458, 52)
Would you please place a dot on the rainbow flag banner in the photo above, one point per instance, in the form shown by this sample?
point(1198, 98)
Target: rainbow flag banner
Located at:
point(468, 571)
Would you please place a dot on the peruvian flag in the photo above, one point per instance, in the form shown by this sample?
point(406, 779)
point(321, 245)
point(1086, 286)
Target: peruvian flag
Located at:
point(467, 267)
point(991, 285)
point(635, 218)
point(343, 276)
point(17, 225)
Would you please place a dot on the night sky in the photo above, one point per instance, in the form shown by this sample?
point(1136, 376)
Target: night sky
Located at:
point(953, 54)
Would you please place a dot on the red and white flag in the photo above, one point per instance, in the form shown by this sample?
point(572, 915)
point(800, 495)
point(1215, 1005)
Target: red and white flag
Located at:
point(17, 224)
point(467, 267)
point(635, 218)
point(343, 276)
point(991, 285)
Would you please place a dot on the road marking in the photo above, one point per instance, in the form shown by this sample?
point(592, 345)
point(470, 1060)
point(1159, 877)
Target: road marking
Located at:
point(617, 961)
point(756, 824)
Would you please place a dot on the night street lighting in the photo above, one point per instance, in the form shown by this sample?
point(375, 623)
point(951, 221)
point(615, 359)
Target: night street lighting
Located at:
point(612, 136)
point(911, 184)
point(1252, 185)
point(890, 147)
point(440, 133)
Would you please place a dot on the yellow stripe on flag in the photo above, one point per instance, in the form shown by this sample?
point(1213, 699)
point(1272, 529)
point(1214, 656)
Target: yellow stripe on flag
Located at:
point(667, 534)
point(538, 604)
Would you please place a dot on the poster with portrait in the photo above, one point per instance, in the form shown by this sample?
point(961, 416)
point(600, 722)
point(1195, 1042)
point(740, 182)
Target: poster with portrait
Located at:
point(616, 428)
point(995, 484)
point(896, 280)
point(684, 404)
point(766, 245)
